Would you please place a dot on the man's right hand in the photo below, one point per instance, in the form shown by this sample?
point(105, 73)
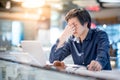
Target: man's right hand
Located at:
point(68, 31)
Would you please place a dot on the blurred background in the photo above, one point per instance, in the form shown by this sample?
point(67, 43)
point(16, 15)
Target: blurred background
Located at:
point(43, 20)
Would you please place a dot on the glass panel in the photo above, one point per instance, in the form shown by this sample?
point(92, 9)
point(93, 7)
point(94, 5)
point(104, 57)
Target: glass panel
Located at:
point(5, 35)
point(11, 33)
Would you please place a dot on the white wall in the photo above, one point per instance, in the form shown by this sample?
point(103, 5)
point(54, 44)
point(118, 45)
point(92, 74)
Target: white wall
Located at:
point(105, 13)
point(31, 25)
point(30, 30)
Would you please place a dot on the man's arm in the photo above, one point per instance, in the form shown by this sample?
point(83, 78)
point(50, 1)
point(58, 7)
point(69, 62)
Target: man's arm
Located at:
point(61, 49)
point(102, 53)
point(59, 53)
point(103, 49)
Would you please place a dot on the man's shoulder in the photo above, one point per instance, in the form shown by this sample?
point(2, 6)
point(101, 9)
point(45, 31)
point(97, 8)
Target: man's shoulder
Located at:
point(98, 31)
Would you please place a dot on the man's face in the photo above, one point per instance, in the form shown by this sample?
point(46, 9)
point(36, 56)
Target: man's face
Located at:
point(79, 28)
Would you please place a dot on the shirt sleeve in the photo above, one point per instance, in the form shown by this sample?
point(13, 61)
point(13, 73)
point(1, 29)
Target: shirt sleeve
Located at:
point(103, 49)
point(60, 53)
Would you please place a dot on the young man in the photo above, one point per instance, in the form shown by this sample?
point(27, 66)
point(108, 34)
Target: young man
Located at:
point(88, 47)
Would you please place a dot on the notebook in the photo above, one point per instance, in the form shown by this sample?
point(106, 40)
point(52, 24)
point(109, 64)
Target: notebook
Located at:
point(34, 49)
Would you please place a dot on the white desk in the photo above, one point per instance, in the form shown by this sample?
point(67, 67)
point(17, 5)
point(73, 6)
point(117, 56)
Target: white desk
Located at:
point(9, 62)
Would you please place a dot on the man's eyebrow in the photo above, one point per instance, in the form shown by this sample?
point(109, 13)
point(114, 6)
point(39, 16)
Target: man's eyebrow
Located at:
point(69, 23)
point(74, 23)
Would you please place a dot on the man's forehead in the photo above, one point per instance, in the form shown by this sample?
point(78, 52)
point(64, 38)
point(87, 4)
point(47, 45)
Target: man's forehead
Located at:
point(72, 21)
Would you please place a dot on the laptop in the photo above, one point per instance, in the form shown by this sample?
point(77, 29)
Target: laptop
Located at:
point(35, 51)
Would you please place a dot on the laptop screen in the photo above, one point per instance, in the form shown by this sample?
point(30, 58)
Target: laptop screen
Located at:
point(34, 48)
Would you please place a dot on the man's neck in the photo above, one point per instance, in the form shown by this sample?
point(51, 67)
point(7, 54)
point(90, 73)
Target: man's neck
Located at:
point(83, 36)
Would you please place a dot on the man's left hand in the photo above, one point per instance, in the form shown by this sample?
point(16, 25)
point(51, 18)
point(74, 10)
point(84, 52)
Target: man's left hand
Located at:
point(94, 66)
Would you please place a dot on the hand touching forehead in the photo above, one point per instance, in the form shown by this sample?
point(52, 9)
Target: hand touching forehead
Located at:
point(73, 21)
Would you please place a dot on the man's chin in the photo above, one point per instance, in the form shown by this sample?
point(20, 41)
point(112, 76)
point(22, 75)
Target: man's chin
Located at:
point(75, 35)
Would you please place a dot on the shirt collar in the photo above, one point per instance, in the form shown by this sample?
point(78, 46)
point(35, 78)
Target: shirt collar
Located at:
point(89, 35)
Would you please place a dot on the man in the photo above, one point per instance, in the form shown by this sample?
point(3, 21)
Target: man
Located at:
point(88, 47)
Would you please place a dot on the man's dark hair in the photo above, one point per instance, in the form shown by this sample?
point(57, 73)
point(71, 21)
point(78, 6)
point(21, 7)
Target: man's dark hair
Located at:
point(82, 15)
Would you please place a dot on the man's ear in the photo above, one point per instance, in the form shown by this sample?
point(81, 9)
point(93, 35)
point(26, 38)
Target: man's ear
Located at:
point(86, 24)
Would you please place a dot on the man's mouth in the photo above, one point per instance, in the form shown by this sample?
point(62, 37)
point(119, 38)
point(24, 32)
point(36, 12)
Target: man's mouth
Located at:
point(75, 32)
